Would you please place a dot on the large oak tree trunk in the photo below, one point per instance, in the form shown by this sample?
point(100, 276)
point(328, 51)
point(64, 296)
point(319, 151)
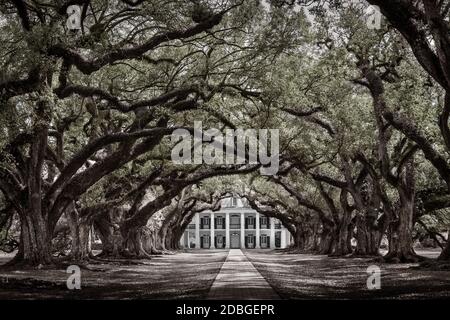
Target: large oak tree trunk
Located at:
point(35, 241)
point(163, 238)
point(299, 240)
point(177, 232)
point(343, 244)
point(105, 232)
point(108, 228)
point(172, 241)
point(400, 235)
point(35, 234)
point(327, 240)
point(368, 237)
point(140, 242)
point(81, 238)
point(445, 254)
point(312, 237)
point(298, 233)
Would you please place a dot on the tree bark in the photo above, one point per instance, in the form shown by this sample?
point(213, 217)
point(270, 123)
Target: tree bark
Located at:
point(327, 240)
point(343, 244)
point(400, 235)
point(81, 237)
point(163, 239)
point(298, 234)
point(445, 254)
point(35, 234)
point(368, 237)
point(35, 241)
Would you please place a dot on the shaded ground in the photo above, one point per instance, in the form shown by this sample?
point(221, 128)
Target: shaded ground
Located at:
point(180, 276)
point(304, 276)
point(190, 275)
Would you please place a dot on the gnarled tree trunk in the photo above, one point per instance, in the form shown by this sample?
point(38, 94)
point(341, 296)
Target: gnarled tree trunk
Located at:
point(400, 235)
point(81, 233)
point(368, 237)
point(35, 240)
point(327, 240)
point(35, 234)
point(445, 254)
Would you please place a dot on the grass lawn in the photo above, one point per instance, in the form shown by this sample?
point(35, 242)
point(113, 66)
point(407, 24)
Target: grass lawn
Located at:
point(189, 275)
point(179, 276)
point(304, 276)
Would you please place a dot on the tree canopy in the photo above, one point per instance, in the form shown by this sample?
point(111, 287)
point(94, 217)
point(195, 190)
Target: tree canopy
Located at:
point(88, 107)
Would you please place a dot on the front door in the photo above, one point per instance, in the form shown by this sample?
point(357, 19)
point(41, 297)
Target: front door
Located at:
point(264, 242)
point(250, 242)
point(234, 243)
point(219, 242)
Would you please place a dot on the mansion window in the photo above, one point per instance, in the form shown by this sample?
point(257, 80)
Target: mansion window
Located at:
point(204, 222)
point(263, 239)
point(235, 222)
point(220, 222)
point(264, 221)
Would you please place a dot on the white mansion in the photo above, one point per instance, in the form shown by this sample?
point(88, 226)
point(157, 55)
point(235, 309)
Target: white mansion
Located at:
point(235, 225)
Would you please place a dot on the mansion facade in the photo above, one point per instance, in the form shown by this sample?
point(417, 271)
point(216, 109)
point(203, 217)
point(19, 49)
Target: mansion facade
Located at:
point(234, 226)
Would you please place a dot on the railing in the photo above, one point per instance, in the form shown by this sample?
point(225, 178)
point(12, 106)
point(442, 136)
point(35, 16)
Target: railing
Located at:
point(235, 226)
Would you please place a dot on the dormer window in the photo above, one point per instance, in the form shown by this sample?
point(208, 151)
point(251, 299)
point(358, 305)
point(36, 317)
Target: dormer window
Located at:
point(233, 202)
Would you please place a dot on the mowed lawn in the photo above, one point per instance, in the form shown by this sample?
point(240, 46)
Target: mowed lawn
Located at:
point(180, 276)
point(305, 276)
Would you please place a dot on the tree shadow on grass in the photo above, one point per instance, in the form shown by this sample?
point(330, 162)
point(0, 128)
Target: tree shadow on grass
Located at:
point(305, 276)
point(180, 276)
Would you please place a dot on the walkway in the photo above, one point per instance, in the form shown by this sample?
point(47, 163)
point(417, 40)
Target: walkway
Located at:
point(238, 279)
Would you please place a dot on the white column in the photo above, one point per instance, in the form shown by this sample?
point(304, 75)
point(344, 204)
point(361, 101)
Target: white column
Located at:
point(188, 242)
point(283, 238)
point(272, 233)
point(227, 230)
point(242, 230)
point(211, 228)
point(197, 230)
point(182, 244)
point(258, 233)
